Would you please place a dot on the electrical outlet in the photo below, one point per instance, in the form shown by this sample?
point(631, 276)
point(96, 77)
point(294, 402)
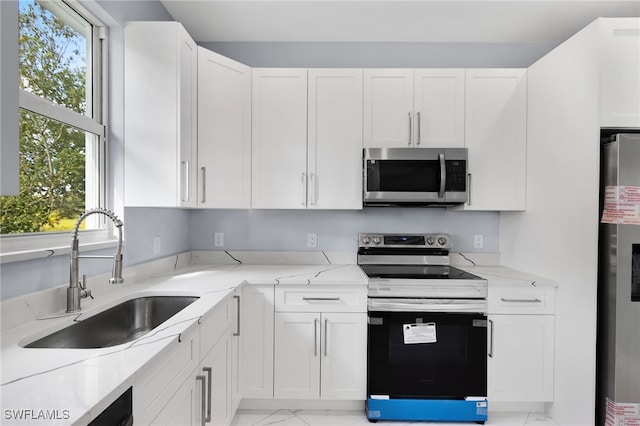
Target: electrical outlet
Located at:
point(312, 240)
point(218, 239)
point(478, 241)
point(157, 245)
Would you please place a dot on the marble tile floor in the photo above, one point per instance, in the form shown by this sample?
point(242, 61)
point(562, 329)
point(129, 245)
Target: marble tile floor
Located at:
point(357, 418)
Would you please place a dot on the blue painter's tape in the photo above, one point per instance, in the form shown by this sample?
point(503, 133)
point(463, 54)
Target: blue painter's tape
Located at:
point(447, 410)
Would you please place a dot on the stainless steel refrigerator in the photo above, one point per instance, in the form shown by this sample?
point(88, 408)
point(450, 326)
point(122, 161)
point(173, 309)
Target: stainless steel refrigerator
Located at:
point(618, 353)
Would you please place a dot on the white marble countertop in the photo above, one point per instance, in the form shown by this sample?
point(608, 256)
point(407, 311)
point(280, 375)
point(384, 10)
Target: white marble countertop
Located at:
point(72, 386)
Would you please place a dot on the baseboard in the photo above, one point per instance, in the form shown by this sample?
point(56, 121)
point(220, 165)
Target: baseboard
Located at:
point(300, 404)
point(517, 407)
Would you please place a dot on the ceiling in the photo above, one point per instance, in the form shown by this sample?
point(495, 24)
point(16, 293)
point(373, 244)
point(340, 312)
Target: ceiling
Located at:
point(470, 21)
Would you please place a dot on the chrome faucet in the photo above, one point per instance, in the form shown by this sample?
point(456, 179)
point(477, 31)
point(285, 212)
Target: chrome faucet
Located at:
point(78, 290)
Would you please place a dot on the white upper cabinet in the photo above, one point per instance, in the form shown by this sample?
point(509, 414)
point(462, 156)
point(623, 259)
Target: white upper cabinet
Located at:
point(439, 107)
point(388, 108)
point(224, 132)
point(414, 108)
point(279, 149)
point(334, 139)
point(496, 136)
point(160, 151)
point(307, 154)
point(620, 77)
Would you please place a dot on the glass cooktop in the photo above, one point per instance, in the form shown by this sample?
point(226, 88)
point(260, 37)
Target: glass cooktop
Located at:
point(440, 272)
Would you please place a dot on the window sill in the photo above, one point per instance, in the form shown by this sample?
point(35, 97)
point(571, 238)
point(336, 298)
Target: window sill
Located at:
point(54, 250)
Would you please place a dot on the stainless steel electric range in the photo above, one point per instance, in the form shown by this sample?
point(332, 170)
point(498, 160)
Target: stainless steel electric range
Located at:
point(427, 331)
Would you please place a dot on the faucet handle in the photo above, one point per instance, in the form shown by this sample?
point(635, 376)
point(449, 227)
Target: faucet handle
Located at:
point(84, 292)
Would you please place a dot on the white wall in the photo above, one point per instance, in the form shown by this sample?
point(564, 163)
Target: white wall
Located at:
point(557, 236)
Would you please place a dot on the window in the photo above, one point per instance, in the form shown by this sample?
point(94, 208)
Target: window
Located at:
point(62, 131)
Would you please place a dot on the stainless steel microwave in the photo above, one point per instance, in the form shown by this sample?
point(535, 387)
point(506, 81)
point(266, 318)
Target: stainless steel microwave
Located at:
point(415, 176)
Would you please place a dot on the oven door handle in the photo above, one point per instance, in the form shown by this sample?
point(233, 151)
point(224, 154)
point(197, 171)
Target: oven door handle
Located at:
point(427, 305)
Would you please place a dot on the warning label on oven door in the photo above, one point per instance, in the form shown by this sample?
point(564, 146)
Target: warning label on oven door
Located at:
point(419, 333)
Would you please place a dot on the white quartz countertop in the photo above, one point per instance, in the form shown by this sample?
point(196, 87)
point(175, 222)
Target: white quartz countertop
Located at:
point(72, 386)
point(504, 276)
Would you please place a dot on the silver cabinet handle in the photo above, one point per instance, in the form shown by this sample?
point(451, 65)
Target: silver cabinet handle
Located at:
point(237, 316)
point(419, 135)
point(443, 175)
point(304, 189)
point(203, 402)
point(204, 184)
point(469, 188)
point(320, 298)
point(326, 327)
point(312, 189)
point(536, 300)
point(209, 375)
point(185, 182)
point(410, 128)
point(491, 339)
point(315, 337)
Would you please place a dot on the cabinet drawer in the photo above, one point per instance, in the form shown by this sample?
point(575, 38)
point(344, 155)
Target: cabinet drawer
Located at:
point(161, 379)
point(321, 299)
point(530, 300)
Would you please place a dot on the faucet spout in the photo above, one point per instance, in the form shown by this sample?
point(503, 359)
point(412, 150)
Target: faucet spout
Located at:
point(77, 290)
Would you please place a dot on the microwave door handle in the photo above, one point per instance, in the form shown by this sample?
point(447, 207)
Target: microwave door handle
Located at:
point(443, 176)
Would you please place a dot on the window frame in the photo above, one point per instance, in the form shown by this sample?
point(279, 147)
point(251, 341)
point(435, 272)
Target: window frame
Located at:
point(18, 247)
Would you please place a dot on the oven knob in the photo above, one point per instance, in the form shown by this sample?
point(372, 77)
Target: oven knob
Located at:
point(366, 240)
point(376, 240)
point(430, 241)
point(442, 241)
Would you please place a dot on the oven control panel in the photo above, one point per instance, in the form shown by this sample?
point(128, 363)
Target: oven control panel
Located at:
point(440, 241)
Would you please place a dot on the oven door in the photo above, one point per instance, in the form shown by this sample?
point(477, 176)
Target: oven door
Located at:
point(415, 175)
point(427, 355)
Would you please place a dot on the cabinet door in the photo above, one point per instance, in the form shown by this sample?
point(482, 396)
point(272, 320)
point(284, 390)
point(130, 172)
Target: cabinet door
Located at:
point(388, 108)
point(188, 101)
point(297, 355)
point(160, 65)
point(224, 132)
point(495, 133)
point(279, 148)
point(439, 108)
point(344, 356)
point(620, 84)
point(335, 139)
point(521, 353)
point(256, 334)
point(216, 367)
point(184, 408)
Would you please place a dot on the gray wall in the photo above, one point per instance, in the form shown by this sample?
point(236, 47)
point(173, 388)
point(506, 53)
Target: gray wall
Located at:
point(381, 54)
point(336, 230)
point(9, 97)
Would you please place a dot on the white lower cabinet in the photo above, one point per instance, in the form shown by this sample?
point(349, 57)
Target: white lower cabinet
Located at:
point(320, 355)
point(320, 343)
point(184, 407)
point(196, 382)
point(521, 345)
point(256, 335)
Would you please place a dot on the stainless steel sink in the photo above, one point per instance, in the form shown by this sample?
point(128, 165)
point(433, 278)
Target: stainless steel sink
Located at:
point(120, 324)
